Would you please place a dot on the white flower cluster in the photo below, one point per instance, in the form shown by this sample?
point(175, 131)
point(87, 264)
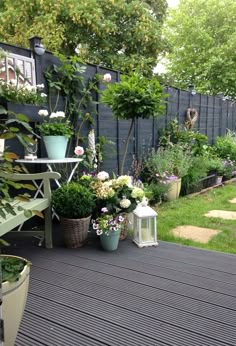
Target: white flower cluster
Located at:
point(137, 193)
point(43, 112)
point(57, 115)
point(125, 203)
point(102, 176)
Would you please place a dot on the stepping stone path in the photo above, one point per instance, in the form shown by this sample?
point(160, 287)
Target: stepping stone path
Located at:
point(223, 214)
point(199, 234)
point(203, 235)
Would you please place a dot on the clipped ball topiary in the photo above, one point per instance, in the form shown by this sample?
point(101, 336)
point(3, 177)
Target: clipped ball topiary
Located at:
point(73, 201)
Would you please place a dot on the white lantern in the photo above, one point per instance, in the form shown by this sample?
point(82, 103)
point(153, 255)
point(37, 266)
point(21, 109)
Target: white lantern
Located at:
point(145, 226)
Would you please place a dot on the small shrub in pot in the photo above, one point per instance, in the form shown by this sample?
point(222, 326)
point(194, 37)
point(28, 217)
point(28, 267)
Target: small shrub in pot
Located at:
point(74, 204)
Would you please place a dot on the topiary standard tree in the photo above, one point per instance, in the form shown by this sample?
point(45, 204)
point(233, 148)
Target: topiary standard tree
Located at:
point(134, 97)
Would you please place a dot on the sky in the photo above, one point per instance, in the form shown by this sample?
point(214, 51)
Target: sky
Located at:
point(172, 3)
point(161, 66)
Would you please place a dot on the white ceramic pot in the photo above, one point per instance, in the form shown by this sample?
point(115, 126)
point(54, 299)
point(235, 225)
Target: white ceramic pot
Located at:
point(14, 295)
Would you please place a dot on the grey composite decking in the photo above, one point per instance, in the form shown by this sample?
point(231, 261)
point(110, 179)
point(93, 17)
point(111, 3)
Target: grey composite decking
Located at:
point(166, 296)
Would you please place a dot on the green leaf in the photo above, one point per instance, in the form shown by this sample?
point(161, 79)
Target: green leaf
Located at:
point(27, 213)
point(3, 110)
point(38, 213)
point(22, 117)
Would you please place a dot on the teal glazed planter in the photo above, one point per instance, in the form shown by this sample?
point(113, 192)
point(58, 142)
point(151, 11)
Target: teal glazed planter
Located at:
point(56, 146)
point(110, 242)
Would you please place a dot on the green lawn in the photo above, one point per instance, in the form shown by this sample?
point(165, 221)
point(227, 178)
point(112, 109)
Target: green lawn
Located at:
point(191, 210)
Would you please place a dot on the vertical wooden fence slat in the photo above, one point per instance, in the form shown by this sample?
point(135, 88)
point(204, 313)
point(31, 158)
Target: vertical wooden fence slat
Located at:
point(97, 107)
point(118, 133)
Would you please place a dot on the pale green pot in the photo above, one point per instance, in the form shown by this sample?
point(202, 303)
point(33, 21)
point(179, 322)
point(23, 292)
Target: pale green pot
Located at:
point(174, 190)
point(110, 242)
point(56, 146)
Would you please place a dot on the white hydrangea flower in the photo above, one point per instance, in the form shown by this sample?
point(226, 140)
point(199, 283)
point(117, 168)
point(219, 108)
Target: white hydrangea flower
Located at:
point(57, 115)
point(43, 95)
point(125, 203)
point(107, 77)
point(137, 193)
point(60, 114)
point(43, 112)
point(124, 180)
point(102, 175)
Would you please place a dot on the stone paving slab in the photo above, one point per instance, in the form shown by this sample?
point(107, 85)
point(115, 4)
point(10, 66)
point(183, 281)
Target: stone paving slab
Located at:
point(232, 200)
point(223, 214)
point(199, 234)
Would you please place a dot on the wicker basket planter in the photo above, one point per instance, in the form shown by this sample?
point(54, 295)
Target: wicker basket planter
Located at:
point(75, 231)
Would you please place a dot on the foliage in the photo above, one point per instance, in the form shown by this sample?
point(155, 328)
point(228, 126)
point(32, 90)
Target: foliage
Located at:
point(105, 223)
point(192, 210)
point(201, 36)
point(67, 79)
point(195, 142)
point(11, 268)
point(214, 163)
point(118, 34)
point(15, 127)
point(134, 97)
point(73, 201)
point(225, 147)
point(166, 162)
point(155, 192)
point(197, 170)
point(229, 168)
point(55, 125)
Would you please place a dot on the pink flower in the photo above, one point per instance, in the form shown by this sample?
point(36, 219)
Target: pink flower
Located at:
point(104, 210)
point(79, 151)
point(107, 77)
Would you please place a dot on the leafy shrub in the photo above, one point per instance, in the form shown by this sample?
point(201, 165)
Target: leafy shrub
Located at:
point(170, 161)
point(73, 201)
point(197, 170)
point(225, 147)
point(215, 164)
point(155, 192)
point(195, 142)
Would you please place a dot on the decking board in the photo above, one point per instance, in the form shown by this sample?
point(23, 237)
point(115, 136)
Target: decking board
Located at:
point(165, 296)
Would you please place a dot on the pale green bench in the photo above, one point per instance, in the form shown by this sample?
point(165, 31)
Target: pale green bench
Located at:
point(40, 204)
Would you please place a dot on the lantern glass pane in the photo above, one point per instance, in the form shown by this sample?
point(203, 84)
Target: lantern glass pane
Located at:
point(148, 230)
point(135, 227)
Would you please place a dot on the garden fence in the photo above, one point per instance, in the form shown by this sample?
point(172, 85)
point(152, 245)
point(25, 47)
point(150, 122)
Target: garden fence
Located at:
point(215, 115)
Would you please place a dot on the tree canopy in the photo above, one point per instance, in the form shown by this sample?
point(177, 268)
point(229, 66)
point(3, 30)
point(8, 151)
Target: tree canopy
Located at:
point(202, 45)
point(121, 34)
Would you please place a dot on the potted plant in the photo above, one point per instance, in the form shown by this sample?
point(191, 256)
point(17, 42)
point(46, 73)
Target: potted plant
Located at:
point(74, 203)
point(134, 97)
point(14, 271)
point(55, 131)
point(108, 227)
point(167, 166)
point(215, 166)
point(119, 195)
point(15, 283)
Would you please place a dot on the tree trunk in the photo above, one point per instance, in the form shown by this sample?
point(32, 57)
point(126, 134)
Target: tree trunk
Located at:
point(126, 148)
